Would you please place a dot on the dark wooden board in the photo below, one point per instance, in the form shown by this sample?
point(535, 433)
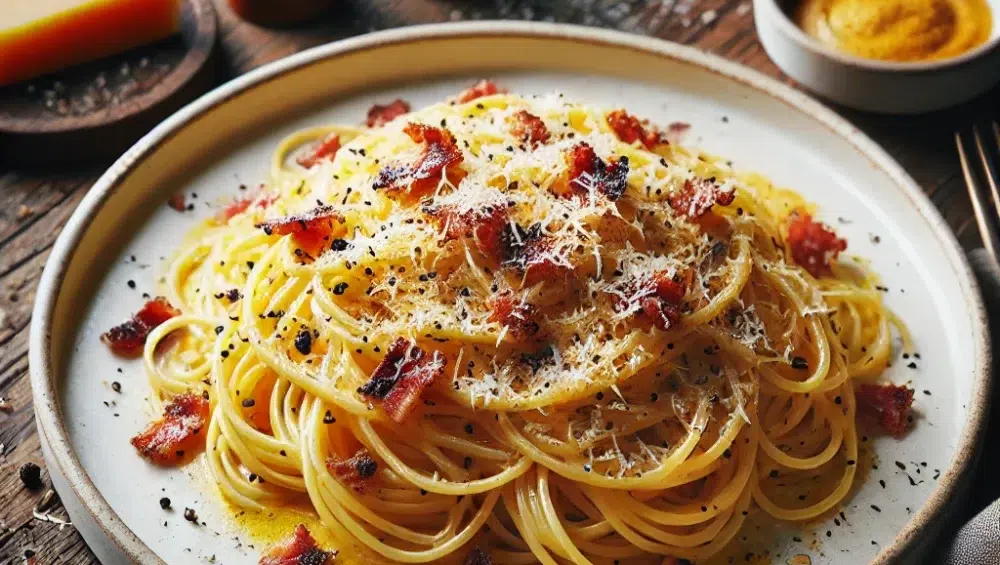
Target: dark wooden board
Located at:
point(94, 111)
point(34, 206)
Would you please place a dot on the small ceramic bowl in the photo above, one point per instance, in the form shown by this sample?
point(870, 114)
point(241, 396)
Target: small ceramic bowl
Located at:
point(877, 86)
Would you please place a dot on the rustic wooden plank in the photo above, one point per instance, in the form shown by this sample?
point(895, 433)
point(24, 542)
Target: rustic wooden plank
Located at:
point(923, 145)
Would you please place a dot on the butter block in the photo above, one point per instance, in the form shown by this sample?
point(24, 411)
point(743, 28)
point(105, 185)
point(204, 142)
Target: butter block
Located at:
point(42, 36)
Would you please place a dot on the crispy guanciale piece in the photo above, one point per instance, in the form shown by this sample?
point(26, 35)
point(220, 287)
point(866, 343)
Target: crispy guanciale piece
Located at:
point(478, 90)
point(128, 338)
point(698, 196)
point(401, 377)
point(176, 202)
point(586, 169)
point(813, 244)
point(312, 231)
point(421, 177)
point(478, 557)
point(888, 405)
point(355, 471)
point(165, 441)
point(299, 549)
point(519, 317)
point(259, 197)
point(379, 115)
point(486, 227)
point(325, 150)
point(529, 128)
point(662, 299)
point(629, 129)
point(533, 254)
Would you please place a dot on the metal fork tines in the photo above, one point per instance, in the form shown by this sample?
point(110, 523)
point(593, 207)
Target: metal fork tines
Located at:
point(979, 153)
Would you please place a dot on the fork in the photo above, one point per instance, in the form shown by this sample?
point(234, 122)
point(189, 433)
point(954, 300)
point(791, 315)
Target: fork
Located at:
point(979, 145)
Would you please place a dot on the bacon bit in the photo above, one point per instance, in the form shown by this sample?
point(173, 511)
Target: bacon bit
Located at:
point(165, 441)
point(401, 377)
point(533, 256)
point(325, 150)
point(529, 128)
point(420, 178)
point(485, 227)
point(629, 129)
point(128, 338)
point(610, 179)
point(482, 88)
point(661, 302)
point(888, 405)
point(299, 549)
point(177, 202)
point(260, 197)
point(311, 231)
point(813, 244)
point(519, 317)
point(478, 557)
point(698, 196)
point(379, 115)
point(354, 471)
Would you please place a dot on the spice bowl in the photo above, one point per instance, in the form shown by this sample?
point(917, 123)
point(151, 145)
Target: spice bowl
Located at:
point(874, 85)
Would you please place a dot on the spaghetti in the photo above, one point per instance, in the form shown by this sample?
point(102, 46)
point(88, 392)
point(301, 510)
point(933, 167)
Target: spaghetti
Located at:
point(526, 326)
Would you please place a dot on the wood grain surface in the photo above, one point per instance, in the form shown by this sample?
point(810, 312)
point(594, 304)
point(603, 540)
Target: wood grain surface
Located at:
point(34, 207)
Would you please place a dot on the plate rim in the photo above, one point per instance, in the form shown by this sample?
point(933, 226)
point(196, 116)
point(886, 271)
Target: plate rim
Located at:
point(44, 387)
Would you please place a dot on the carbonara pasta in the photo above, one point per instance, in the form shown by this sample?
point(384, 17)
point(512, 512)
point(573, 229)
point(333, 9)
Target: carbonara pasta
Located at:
point(524, 325)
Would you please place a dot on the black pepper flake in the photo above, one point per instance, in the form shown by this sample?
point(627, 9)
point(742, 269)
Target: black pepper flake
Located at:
point(303, 341)
point(328, 418)
point(116, 386)
point(190, 515)
point(218, 330)
point(131, 284)
point(799, 363)
point(165, 503)
point(340, 288)
point(468, 429)
point(876, 508)
point(912, 365)
point(773, 474)
point(900, 465)
point(31, 475)
point(248, 402)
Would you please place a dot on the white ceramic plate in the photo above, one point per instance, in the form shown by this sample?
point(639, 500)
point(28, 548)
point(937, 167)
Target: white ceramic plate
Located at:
point(225, 139)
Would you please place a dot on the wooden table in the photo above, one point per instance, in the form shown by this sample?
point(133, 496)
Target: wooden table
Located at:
point(34, 207)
